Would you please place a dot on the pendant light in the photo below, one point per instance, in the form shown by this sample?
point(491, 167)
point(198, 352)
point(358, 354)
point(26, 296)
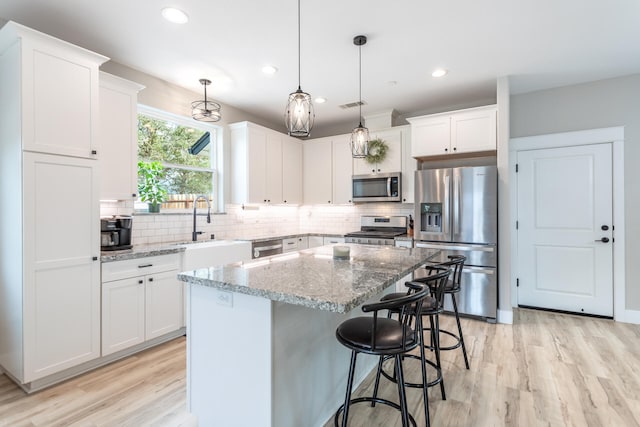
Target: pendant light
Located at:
point(299, 116)
point(205, 111)
point(360, 134)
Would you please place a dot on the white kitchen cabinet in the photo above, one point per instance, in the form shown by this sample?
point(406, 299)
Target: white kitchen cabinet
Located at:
point(409, 167)
point(258, 158)
point(332, 240)
point(317, 171)
point(118, 138)
point(290, 244)
point(456, 132)
point(327, 170)
point(49, 220)
point(141, 300)
point(291, 170)
point(57, 87)
point(315, 241)
point(303, 242)
point(341, 169)
point(393, 161)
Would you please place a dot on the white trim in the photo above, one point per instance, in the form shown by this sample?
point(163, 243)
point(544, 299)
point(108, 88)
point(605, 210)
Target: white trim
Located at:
point(615, 136)
point(505, 316)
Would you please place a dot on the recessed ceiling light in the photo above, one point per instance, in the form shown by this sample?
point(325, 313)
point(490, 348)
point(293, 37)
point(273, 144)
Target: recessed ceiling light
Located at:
point(174, 15)
point(269, 69)
point(320, 100)
point(439, 72)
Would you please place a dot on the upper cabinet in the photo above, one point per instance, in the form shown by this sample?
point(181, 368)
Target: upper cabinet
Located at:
point(56, 92)
point(261, 159)
point(327, 170)
point(393, 161)
point(463, 131)
point(118, 137)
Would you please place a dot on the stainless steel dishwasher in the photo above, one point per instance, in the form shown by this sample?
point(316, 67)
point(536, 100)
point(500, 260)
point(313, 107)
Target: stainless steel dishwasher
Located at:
point(266, 248)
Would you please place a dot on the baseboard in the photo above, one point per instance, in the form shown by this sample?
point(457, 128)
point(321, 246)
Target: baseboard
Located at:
point(629, 316)
point(505, 316)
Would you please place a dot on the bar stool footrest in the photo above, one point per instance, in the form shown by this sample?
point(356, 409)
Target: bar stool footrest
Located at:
point(458, 343)
point(436, 381)
point(373, 401)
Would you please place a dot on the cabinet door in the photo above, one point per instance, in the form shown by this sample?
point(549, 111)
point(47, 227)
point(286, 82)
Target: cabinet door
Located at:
point(61, 267)
point(256, 166)
point(291, 170)
point(122, 314)
point(118, 138)
point(315, 241)
point(474, 131)
point(341, 165)
point(430, 136)
point(393, 160)
point(60, 98)
point(273, 167)
point(163, 304)
point(317, 171)
point(409, 167)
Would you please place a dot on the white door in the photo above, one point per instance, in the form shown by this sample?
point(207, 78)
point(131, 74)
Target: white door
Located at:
point(565, 230)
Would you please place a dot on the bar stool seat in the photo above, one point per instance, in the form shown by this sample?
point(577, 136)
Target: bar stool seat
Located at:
point(383, 336)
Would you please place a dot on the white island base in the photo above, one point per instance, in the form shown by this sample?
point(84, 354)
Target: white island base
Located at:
point(256, 362)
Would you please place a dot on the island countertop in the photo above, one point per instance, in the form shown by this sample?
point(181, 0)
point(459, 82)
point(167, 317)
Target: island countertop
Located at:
point(313, 278)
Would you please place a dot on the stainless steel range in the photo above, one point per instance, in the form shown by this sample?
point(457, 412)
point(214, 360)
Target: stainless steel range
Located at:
point(378, 230)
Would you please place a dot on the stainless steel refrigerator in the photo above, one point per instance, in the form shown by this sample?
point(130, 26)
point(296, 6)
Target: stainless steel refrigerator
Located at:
point(456, 209)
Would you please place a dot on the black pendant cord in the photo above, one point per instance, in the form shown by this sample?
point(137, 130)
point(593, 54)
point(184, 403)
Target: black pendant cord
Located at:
point(360, 85)
point(299, 87)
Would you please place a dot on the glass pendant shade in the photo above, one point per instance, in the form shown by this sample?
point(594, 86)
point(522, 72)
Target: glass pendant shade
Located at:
point(205, 111)
point(359, 142)
point(299, 114)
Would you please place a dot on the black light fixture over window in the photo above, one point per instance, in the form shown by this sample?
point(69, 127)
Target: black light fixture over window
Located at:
point(360, 134)
point(299, 116)
point(205, 111)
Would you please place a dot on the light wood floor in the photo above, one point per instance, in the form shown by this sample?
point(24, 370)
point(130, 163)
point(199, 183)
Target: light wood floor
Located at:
point(546, 369)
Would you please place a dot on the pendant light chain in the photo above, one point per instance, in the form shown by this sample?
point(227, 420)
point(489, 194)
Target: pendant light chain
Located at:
point(298, 115)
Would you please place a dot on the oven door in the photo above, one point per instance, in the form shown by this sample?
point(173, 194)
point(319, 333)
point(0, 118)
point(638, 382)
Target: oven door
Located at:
point(382, 187)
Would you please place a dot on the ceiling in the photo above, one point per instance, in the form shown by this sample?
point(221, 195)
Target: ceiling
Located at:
point(539, 44)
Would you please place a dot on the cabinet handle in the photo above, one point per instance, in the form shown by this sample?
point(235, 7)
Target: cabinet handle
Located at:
point(94, 152)
point(145, 265)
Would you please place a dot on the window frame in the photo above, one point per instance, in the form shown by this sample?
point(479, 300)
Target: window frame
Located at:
point(216, 152)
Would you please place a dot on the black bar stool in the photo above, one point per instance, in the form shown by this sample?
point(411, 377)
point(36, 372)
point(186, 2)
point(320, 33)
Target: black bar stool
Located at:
point(432, 306)
point(456, 262)
point(383, 336)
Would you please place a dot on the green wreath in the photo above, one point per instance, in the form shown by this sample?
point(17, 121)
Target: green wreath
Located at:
point(377, 151)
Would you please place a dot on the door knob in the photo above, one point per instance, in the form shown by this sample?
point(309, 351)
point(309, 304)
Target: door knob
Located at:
point(603, 240)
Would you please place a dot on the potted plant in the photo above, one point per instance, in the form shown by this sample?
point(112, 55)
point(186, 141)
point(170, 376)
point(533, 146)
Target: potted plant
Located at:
point(150, 186)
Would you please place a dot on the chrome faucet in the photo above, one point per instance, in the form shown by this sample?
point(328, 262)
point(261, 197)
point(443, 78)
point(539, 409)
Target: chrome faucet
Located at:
point(194, 235)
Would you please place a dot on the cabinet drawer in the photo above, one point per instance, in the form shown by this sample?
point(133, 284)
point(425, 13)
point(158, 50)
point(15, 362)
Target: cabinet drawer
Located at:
point(136, 267)
point(289, 245)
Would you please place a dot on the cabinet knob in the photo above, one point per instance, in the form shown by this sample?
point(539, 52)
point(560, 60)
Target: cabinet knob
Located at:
point(328, 201)
point(134, 195)
point(95, 258)
point(140, 281)
point(285, 201)
point(265, 200)
point(94, 152)
point(151, 279)
point(446, 149)
point(454, 148)
point(373, 170)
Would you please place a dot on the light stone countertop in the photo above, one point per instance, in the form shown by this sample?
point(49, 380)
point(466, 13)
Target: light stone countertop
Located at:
point(313, 278)
point(141, 251)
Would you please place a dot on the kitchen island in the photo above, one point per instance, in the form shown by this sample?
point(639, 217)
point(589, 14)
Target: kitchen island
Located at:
point(261, 347)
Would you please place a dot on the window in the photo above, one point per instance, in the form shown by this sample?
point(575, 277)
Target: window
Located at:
point(188, 150)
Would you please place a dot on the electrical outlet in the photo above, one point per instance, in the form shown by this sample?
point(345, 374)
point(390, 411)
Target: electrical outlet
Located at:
point(224, 298)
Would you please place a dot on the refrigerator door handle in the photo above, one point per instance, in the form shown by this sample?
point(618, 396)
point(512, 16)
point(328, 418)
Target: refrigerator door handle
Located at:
point(445, 214)
point(478, 270)
point(389, 187)
point(456, 204)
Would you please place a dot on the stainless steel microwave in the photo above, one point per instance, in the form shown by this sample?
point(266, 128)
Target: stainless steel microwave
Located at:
point(381, 187)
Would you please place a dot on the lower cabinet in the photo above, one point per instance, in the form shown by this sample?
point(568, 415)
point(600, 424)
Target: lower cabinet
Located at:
point(141, 300)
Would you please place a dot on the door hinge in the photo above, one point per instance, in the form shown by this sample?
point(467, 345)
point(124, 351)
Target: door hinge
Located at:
point(516, 168)
point(517, 283)
point(517, 225)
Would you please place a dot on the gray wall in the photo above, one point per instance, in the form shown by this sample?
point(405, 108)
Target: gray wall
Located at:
point(604, 103)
